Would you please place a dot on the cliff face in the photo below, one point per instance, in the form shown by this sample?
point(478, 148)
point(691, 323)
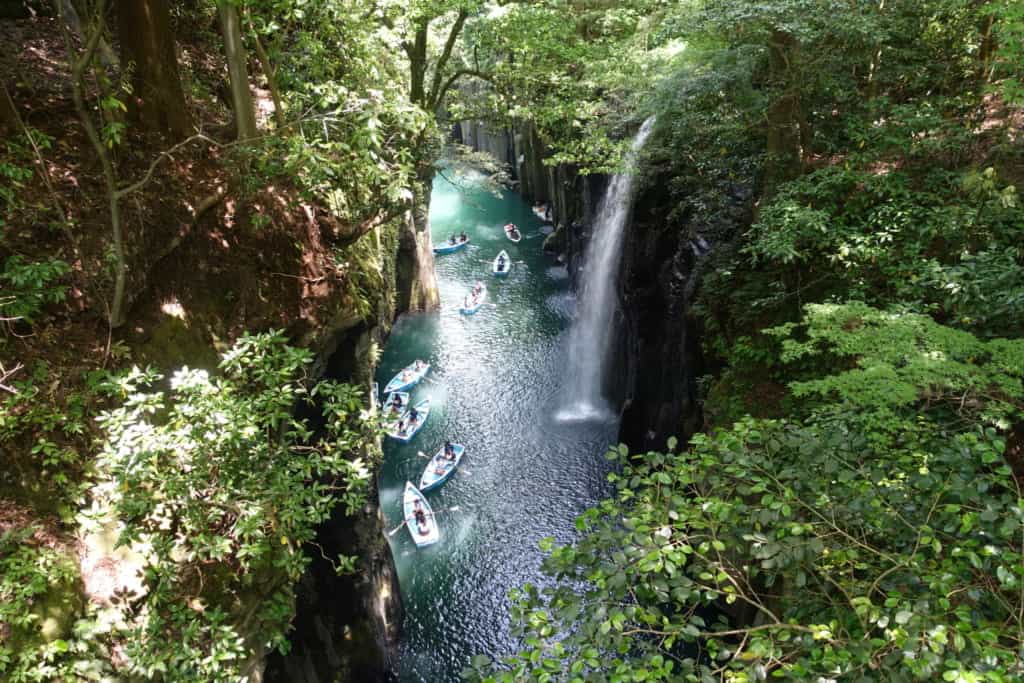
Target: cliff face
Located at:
point(660, 347)
point(657, 346)
point(344, 625)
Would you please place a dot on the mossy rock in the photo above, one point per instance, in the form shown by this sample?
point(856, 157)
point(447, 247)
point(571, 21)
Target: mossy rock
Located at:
point(54, 610)
point(173, 343)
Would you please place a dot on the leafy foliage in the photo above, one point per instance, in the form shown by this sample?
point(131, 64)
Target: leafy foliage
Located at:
point(353, 136)
point(30, 287)
point(1009, 28)
point(45, 426)
point(875, 539)
point(224, 484)
point(36, 582)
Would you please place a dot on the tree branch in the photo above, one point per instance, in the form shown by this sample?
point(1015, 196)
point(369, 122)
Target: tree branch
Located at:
point(6, 374)
point(435, 89)
point(459, 74)
point(166, 154)
point(367, 226)
point(44, 172)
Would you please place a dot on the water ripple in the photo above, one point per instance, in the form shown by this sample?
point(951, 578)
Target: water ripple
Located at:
point(494, 382)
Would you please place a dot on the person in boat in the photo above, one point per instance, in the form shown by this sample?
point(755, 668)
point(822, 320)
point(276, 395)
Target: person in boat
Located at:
point(421, 518)
point(463, 236)
point(449, 450)
point(414, 416)
point(396, 404)
point(501, 262)
point(451, 238)
point(401, 427)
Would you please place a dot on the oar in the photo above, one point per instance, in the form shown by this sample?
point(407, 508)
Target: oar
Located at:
point(405, 521)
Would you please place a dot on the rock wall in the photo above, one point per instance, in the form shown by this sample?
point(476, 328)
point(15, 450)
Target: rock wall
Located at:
point(416, 283)
point(346, 626)
point(660, 348)
point(479, 136)
point(657, 346)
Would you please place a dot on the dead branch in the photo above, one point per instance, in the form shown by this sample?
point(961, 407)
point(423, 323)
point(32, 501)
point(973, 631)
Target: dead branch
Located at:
point(6, 374)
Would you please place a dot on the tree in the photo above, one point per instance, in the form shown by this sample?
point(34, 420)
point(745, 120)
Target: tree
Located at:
point(877, 536)
point(238, 69)
point(428, 85)
point(226, 488)
point(79, 63)
point(148, 54)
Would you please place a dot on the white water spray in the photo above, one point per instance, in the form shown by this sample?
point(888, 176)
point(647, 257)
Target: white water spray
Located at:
point(591, 333)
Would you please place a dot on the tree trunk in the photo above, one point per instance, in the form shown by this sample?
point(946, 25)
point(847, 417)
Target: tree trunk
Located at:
point(783, 143)
point(269, 73)
point(417, 280)
point(417, 53)
point(147, 49)
point(10, 121)
point(80, 63)
point(987, 49)
point(238, 70)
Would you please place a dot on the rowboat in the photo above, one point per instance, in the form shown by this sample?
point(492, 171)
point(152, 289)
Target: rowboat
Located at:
point(473, 302)
point(408, 377)
point(391, 412)
point(512, 232)
point(505, 265)
point(404, 429)
point(448, 247)
point(440, 468)
point(541, 212)
point(423, 533)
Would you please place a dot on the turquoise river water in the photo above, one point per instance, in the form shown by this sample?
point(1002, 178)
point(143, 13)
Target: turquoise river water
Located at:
point(494, 385)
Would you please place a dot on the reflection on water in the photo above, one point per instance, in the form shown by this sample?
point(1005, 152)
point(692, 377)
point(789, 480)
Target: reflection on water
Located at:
point(494, 385)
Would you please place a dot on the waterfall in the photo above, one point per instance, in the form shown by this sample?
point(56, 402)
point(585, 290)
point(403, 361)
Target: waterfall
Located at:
point(591, 335)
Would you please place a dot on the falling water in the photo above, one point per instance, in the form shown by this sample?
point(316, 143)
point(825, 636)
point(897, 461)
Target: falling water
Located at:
point(590, 336)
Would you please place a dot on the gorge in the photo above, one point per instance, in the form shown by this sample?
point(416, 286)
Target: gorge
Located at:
point(750, 404)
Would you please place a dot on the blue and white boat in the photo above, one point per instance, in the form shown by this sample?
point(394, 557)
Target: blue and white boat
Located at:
point(394, 406)
point(406, 428)
point(473, 302)
point(424, 530)
point(408, 377)
point(441, 467)
point(449, 248)
point(502, 264)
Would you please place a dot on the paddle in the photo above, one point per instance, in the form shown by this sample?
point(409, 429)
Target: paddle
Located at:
point(454, 508)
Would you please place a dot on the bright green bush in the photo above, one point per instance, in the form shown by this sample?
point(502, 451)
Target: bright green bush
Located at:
point(44, 633)
point(223, 484)
point(879, 538)
point(29, 287)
